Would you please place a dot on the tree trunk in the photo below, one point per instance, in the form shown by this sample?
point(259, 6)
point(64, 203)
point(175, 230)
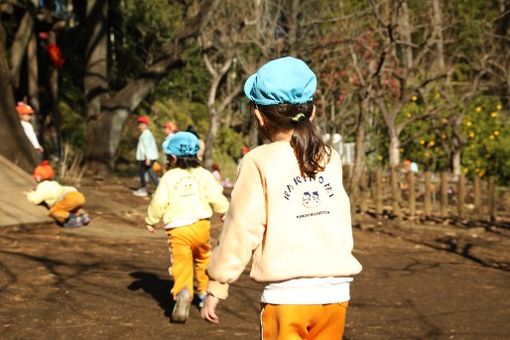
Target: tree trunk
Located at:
point(19, 45)
point(394, 149)
point(405, 31)
point(15, 145)
point(357, 168)
point(55, 114)
point(33, 74)
point(214, 126)
point(293, 26)
point(95, 84)
point(456, 168)
point(216, 109)
point(437, 23)
point(105, 116)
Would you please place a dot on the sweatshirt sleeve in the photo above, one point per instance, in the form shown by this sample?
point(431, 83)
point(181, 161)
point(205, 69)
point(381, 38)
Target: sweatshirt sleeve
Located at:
point(159, 204)
point(32, 137)
point(243, 230)
point(36, 196)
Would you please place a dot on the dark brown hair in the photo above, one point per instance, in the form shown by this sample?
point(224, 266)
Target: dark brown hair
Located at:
point(185, 162)
point(311, 152)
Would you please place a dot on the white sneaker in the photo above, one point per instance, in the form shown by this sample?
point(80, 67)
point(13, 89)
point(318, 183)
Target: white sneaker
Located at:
point(142, 192)
point(180, 312)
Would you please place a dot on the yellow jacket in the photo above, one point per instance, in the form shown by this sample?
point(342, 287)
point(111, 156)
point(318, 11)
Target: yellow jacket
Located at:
point(292, 226)
point(49, 192)
point(185, 196)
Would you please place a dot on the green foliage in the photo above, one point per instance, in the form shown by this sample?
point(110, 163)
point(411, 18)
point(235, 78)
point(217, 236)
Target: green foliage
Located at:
point(140, 29)
point(426, 139)
point(72, 126)
point(471, 18)
point(189, 83)
point(487, 131)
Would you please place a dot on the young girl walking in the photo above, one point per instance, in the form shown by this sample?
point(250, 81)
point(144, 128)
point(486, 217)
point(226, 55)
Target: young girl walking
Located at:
point(289, 213)
point(185, 199)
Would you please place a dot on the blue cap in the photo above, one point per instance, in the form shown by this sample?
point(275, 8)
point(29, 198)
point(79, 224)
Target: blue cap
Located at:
point(281, 81)
point(182, 144)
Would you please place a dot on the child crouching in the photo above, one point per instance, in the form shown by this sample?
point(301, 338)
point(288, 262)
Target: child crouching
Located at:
point(184, 200)
point(64, 202)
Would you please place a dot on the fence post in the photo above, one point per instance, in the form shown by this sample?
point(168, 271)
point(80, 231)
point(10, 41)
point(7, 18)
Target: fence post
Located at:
point(492, 199)
point(428, 195)
point(395, 192)
point(477, 197)
point(412, 194)
point(444, 194)
point(378, 192)
point(461, 195)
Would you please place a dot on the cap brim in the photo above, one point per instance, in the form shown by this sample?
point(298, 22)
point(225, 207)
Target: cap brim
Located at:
point(248, 86)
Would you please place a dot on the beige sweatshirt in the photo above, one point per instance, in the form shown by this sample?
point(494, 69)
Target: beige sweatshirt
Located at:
point(293, 227)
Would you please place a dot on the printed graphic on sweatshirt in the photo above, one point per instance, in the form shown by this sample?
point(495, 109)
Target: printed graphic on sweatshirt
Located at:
point(299, 182)
point(312, 193)
point(186, 186)
point(311, 199)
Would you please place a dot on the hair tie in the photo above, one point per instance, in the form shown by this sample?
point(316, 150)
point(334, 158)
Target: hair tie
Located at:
point(297, 117)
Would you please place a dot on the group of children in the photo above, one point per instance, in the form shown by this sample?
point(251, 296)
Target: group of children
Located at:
point(288, 213)
point(65, 203)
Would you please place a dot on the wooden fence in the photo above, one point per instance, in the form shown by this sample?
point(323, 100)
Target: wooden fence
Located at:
point(427, 195)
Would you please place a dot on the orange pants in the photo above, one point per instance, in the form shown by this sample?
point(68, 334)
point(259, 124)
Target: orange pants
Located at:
point(290, 322)
point(71, 203)
point(190, 249)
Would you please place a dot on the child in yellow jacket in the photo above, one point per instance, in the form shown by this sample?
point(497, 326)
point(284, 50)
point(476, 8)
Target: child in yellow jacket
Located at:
point(289, 213)
point(184, 200)
point(64, 202)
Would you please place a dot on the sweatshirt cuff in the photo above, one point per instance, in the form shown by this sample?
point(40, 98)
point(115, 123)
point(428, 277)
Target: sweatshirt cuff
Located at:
point(217, 289)
point(150, 221)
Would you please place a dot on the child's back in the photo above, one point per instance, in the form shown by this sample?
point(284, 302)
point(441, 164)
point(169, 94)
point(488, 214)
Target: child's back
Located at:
point(289, 213)
point(307, 220)
point(185, 200)
point(186, 195)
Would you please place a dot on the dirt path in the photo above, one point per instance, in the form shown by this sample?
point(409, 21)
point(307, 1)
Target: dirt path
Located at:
point(109, 280)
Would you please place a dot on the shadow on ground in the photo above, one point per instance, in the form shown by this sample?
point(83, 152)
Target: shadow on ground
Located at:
point(157, 288)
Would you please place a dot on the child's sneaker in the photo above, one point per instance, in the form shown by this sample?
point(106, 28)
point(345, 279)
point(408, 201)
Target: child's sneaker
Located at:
point(85, 219)
point(181, 308)
point(72, 222)
point(201, 299)
point(142, 192)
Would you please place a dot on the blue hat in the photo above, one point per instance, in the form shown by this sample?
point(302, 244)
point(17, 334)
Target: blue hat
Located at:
point(281, 81)
point(182, 144)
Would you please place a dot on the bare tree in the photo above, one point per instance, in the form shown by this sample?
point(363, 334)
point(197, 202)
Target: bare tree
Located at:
point(399, 63)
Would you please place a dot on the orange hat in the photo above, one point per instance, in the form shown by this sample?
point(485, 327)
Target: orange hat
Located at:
point(171, 126)
point(143, 119)
point(244, 150)
point(43, 172)
point(24, 109)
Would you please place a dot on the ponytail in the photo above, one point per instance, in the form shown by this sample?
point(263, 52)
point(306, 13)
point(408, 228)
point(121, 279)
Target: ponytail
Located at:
point(311, 152)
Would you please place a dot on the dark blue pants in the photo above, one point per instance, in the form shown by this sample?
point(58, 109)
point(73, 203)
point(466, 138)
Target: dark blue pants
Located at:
point(143, 169)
